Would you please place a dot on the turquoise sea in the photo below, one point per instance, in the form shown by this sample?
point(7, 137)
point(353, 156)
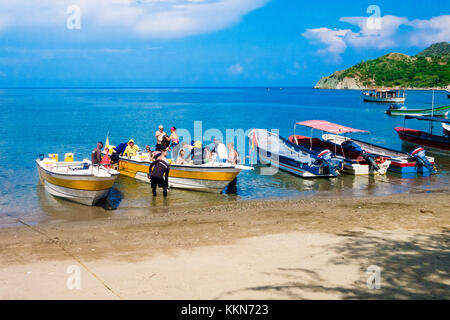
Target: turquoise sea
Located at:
point(46, 121)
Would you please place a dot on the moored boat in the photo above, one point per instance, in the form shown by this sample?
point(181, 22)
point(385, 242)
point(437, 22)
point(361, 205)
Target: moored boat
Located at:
point(209, 177)
point(403, 111)
point(280, 153)
point(384, 96)
point(79, 182)
point(401, 162)
point(435, 143)
point(356, 160)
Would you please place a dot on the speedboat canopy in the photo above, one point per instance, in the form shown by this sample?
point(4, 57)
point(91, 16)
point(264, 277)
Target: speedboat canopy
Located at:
point(328, 126)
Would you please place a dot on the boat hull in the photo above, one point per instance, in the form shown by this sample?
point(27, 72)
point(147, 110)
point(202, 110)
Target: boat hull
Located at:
point(442, 111)
point(401, 162)
point(283, 154)
point(446, 129)
point(200, 178)
point(435, 143)
point(266, 159)
point(87, 190)
point(353, 164)
point(364, 169)
point(383, 100)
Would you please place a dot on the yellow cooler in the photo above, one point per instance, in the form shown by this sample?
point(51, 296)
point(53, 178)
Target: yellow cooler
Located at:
point(68, 157)
point(53, 156)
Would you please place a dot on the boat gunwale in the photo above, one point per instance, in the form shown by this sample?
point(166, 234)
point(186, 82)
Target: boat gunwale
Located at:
point(173, 165)
point(89, 175)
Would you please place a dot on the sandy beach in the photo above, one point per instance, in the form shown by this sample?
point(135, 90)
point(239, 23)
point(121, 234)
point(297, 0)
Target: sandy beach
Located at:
point(316, 248)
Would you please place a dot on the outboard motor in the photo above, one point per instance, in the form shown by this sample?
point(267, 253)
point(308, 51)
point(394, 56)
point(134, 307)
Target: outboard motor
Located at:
point(419, 156)
point(326, 162)
point(370, 158)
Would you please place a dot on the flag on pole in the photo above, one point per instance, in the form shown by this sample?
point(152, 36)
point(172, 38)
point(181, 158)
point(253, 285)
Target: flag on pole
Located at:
point(107, 141)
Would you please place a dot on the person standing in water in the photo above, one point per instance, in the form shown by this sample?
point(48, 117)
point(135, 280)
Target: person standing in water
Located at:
point(159, 173)
point(160, 136)
point(96, 156)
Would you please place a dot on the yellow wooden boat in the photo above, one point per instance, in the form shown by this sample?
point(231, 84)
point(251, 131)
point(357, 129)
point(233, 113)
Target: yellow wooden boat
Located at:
point(79, 182)
point(210, 177)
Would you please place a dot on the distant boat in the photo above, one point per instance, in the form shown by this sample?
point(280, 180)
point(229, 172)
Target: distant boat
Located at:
point(440, 144)
point(403, 111)
point(279, 152)
point(385, 96)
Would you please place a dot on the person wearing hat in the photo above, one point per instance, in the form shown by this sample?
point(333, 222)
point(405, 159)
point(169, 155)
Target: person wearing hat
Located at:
point(131, 149)
point(197, 153)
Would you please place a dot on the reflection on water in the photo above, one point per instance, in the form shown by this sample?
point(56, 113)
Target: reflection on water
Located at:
point(113, 200)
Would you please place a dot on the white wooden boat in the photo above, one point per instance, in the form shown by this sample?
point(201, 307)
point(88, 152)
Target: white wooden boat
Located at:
point(79, 182)
point(384, 96)
point(209, 177)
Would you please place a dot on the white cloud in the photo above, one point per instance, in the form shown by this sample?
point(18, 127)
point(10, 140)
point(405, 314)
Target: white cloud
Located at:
point(146, 18)
point(437, 29)
point(235, 70)
point(381, 33)
point(332, 39)
point(372, 35)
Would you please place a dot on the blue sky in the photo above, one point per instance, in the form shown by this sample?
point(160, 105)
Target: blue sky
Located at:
point(205, 42)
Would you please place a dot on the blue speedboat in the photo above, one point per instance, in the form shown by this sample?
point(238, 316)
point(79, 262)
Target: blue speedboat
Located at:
point(279, 152)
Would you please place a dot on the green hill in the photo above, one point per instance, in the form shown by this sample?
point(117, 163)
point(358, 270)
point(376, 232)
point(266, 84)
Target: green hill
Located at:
point(436, 49)
point(429, 69)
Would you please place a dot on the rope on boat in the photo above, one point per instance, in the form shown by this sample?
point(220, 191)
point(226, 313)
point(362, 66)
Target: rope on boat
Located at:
point(71, 255)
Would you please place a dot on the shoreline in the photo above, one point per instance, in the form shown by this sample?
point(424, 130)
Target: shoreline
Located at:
point(366, 88)
point(274, 249)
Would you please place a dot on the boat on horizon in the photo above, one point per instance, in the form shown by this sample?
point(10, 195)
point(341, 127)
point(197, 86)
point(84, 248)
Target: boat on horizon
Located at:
point(277, 151)
point(385, 96)
point(435, 143)
point(356, 160)
point(403, 111)
point(78, 181)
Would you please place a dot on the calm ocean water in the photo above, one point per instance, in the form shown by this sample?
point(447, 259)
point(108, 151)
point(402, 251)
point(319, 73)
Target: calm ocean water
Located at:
point(46, 121)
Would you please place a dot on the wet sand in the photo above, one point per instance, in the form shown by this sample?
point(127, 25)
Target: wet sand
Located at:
point(316, 248)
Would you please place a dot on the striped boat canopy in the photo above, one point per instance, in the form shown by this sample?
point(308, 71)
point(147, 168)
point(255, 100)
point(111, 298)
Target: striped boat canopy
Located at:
point(328, 126)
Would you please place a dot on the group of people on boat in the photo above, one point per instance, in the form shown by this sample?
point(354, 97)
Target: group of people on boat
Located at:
point(160, 165)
